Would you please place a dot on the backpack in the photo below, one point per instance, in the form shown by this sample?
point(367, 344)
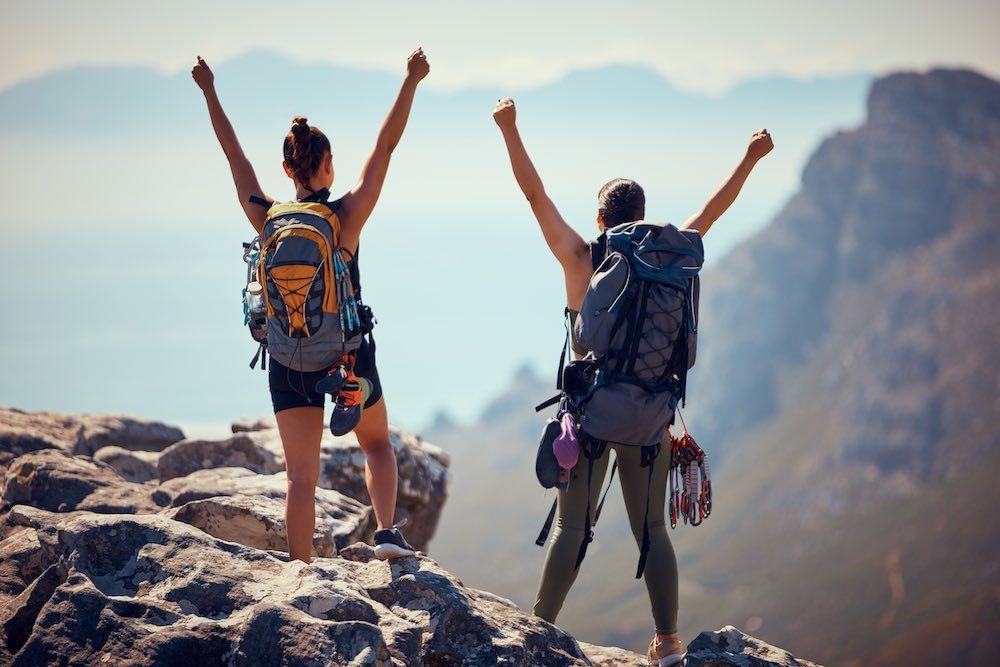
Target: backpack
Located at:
point(639, 321)
point(301, 301)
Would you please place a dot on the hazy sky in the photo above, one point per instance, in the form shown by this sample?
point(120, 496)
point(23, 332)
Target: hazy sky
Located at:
point(707, 45)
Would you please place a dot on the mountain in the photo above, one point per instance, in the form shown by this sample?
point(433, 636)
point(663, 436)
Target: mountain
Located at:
point(846, 393)
point(148, 225)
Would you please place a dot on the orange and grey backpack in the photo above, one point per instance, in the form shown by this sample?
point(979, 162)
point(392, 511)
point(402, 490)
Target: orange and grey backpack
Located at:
point(302, 299)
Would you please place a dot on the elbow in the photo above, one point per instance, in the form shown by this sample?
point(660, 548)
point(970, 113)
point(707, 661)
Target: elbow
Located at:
point(534, 196)
point(385, 147)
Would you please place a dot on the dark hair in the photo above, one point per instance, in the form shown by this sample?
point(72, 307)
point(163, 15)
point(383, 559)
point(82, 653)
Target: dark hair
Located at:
point(304, 149)
point(621, 200)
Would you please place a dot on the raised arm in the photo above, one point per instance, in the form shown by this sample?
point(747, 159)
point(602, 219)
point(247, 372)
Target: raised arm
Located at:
point(243, 173)
point(719, 203)
point(357, 205)
point(568, 246)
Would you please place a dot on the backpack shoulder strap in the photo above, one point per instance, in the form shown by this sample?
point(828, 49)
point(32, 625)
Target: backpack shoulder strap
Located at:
point(598, 251)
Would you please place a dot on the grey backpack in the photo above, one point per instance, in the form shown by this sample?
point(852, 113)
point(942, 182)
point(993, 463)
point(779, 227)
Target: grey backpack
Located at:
point(639, 323)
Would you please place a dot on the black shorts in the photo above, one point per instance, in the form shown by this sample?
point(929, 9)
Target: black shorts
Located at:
point(294, 389)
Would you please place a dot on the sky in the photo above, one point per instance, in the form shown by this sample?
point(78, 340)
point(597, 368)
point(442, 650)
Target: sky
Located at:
point(705, 46)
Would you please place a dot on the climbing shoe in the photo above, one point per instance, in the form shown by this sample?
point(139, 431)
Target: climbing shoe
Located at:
point(547, 467)
point(337, 376)
point(348, 405)
point(390, 543)
point(665, 652)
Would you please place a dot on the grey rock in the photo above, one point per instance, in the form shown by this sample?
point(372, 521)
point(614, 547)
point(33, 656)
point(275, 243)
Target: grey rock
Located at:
point(53, 480)
point(612, 656)
point(256, 445)
point(132, 465)
point(150, 590)
point(423, 479)
point(22, 432)
point(729, 646)
point(251, 511)
point(244, 424)
point(257, 451)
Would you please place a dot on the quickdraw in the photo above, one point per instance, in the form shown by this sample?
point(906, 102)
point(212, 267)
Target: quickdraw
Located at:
point(690, 480)
point(349, 318)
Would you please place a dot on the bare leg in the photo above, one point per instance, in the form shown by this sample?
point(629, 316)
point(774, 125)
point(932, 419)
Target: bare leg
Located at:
point(301, 430)
point(380, 462)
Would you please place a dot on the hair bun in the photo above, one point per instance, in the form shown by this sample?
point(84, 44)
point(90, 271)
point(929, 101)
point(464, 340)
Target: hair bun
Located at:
point(300, 121)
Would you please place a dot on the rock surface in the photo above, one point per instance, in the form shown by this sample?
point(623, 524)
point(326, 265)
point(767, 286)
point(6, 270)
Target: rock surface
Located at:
point(258, 451)
point(134, 466)
point(153, 591)
point(53, 480)
point(98, 567)
point(423, 479)
point(22, 432)
point(729, 646)
point(237, 505)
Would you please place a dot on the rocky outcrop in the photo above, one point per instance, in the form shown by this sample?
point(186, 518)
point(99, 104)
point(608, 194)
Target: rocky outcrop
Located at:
point(257, 451)
point(893, 238)
point(729, 646)
point(151, 590)
point(22, 432)
point(423, 479)
point(134, 466)
point(52, 480)
point(256, 445)
point(238, 505)
point(95, 566)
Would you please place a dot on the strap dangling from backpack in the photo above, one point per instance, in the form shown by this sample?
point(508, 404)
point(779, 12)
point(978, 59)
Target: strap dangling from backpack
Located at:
point(562, 366)
point(544, 533)
point(261, 355)
point(593, 449)
point(565, 349)
point(611, 478)
point(648, 456)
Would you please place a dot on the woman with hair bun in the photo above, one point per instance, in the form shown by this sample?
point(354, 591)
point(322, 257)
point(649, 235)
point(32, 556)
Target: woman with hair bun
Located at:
point(300, 373)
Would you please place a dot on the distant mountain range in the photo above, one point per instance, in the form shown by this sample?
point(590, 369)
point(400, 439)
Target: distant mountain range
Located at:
point(846, 391)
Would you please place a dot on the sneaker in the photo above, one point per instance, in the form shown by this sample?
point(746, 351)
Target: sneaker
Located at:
point(390, 543)
point(665, 652)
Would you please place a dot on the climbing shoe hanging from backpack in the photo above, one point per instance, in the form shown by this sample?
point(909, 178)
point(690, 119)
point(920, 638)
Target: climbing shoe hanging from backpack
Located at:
point(300, 301)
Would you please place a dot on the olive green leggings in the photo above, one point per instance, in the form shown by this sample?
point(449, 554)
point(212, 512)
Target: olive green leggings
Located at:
point(558, 574)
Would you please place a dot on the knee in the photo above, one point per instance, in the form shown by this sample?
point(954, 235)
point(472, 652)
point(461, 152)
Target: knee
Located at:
point(302, 478)
point(378, 448)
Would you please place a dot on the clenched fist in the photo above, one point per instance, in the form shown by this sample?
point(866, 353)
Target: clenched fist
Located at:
point(417, 66)
point(760, 144)
point(505, 113)
point(202, 74)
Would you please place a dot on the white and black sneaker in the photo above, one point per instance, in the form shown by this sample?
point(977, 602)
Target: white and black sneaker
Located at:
point(390, 543)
